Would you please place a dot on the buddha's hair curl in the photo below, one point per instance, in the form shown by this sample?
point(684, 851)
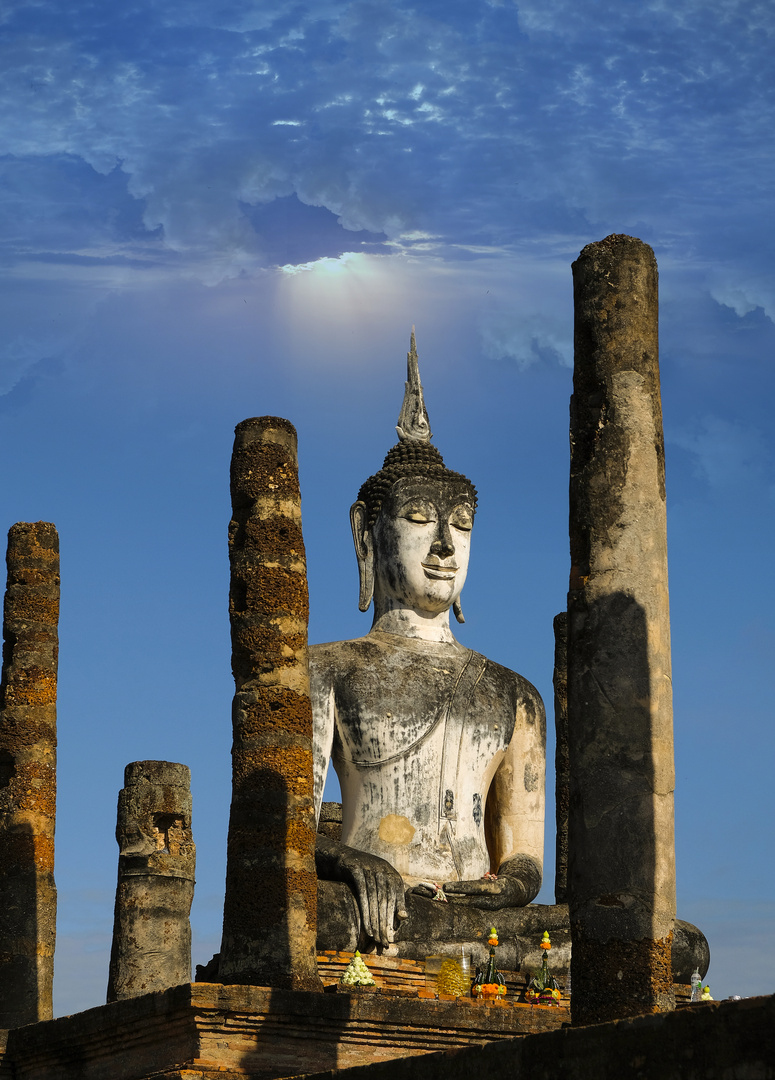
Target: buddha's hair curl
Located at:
point(407, 460)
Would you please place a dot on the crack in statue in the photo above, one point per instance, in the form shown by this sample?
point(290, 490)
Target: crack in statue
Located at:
point(437, 749)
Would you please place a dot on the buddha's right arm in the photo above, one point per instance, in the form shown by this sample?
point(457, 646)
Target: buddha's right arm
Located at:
point(378, 887)
point(516, 801)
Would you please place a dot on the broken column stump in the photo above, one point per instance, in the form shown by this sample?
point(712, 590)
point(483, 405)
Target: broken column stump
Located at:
point(28, 694)
point(270, 909)
point(621, 875)
point(157, 859)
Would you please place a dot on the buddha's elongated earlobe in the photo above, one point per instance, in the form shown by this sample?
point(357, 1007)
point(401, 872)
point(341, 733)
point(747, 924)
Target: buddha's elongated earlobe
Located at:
point(363, 552)
point(458, 611)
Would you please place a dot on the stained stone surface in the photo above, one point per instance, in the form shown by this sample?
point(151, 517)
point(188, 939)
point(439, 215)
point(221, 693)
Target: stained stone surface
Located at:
point(396, 719)
point(269, 919)
point(206, 1032)
point(156, 865)
point(561, 763)
point(440, 752)
point(621, 873)
point(28, 694)
point(434, 927)
point(209, 1032)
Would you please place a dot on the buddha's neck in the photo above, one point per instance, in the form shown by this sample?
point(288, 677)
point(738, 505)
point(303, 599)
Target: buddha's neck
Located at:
point(406, 622)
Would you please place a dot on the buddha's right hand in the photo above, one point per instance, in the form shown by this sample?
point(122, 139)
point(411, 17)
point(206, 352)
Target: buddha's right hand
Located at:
point(378, 887)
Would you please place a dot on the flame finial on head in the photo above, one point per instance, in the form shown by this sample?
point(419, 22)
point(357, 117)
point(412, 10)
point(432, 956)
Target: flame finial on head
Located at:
point(413, 424)
point(413, 457)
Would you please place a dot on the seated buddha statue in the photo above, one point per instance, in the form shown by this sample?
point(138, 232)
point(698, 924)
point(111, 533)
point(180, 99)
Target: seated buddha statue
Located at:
point(440, 752)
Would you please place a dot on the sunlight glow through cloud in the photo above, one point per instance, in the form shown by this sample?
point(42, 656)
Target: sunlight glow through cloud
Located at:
point(327, 265)
point(314, 297)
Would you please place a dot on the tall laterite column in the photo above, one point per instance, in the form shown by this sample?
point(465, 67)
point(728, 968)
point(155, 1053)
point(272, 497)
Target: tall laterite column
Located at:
point(270, 910)
point(28, 739)
point(621, 874)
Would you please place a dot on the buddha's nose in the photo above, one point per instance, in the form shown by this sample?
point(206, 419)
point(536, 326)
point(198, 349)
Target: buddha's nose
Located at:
point(443, 545)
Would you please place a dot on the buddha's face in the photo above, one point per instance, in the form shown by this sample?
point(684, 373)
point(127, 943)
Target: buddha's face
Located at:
point(421, 544)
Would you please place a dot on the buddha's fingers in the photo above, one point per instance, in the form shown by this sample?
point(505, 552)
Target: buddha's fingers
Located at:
point(477, 887)
point(487, 895)
point(364, 901)
point(387, 904)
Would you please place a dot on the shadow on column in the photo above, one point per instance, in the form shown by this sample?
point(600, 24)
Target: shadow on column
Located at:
point(20, 989)
point(621, 851)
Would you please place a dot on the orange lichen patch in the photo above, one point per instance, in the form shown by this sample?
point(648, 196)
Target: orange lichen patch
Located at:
point(272, 896)
point(33, 606)
point(261, 648)
point(300, 836)
point(36, 533)
point(33, 788)
point(287, 768)
point(25, 727)
point(291, 823)
point(260, 468)
point(30, 686)
point(23, 852)
point(267, 596)
point(307, 884)
point(35, 576)
point(32, 640)
point(275, 708)
point(276, 537)
point(43, 853)
point(41, 801)
point(275, 590)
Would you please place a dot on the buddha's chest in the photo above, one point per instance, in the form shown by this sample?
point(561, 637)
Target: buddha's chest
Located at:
point(413, 715)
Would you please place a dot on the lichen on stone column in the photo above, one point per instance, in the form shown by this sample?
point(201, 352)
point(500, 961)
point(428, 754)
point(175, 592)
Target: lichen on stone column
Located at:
point(28, 695)
point(270, 908)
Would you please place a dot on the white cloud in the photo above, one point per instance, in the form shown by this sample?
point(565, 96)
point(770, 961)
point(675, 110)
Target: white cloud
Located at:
point(743, 297)
point(483, 127)
point(526, 340)
point(726, 453)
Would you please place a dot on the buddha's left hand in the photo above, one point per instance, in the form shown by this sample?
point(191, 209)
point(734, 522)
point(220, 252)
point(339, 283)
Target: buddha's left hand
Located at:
point(517, 883)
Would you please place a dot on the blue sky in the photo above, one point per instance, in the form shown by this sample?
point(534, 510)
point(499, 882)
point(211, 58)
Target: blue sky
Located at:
point(214, 210)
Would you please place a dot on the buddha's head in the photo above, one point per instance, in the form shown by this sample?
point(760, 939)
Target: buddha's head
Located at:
point(412, 521)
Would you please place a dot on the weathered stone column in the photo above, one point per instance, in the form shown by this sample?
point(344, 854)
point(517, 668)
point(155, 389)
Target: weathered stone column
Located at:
point(157, 859)
point(561, 767)
point(620, 726)
point(28, 739)
point(270, 910)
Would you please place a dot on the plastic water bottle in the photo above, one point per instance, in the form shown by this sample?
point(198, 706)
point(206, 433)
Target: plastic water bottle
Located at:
point(696, 985)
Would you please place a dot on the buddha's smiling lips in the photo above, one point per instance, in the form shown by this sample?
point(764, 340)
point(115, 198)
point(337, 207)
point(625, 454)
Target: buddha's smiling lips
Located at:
point(439, 570)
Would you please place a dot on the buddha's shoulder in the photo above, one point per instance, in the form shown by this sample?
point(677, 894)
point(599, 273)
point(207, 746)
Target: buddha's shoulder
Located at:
point(333, 651)
point(345, 660)
point(499, 682)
